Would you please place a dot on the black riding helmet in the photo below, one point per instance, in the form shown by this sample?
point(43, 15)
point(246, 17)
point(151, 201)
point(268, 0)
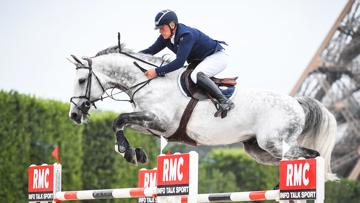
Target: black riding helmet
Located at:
point(165, 17)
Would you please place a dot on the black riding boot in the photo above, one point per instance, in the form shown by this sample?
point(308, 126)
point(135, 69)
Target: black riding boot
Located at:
point(209, 86)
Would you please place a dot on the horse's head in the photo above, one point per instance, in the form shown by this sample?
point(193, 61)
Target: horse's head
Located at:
point(117, 71)
point(87, 90)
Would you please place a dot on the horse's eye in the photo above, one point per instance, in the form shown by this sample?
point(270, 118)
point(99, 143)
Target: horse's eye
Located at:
point(81, 81)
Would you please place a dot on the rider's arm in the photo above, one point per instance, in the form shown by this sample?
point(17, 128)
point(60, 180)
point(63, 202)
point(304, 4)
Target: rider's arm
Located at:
point(158, 45)
point(185, 45)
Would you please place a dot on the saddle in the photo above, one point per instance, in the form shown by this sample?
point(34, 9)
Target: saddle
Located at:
point(226, 85)
point(190, 89)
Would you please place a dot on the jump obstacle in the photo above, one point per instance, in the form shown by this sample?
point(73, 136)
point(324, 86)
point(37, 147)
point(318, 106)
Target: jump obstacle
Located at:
point(176, 180)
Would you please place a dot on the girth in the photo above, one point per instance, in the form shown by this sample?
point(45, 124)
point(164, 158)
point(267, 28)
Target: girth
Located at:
point(180, 134)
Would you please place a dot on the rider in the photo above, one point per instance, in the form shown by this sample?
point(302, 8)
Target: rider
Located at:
point(192, 45)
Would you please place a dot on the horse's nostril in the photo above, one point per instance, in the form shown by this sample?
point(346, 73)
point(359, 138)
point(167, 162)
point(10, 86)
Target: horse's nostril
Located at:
point(73, 115)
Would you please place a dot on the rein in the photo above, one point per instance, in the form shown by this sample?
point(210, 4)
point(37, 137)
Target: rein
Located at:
point(136, 58)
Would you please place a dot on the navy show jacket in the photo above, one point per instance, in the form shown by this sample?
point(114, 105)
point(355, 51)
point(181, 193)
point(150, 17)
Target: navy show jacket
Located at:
point(190, 45)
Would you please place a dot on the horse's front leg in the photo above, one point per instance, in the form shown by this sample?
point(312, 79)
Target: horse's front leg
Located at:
point(144, 119)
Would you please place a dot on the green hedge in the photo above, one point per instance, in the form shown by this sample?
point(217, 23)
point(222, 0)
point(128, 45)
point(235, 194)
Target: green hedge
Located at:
point(342, 191)
point(230, 170)
point(29, 130)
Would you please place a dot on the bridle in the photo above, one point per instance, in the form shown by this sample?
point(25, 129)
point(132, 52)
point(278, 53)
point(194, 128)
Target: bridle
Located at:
point(85, 106)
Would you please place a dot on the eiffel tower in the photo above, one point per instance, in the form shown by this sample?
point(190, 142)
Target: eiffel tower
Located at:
point(333, 77)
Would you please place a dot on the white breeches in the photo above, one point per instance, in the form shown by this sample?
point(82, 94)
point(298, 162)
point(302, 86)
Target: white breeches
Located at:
point(211, 65)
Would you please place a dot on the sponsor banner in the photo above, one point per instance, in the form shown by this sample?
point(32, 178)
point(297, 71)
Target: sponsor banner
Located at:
point(43, 182)
point(298, 174)
point(40, 196)
point(174, 177)
point(147, 179)
point(297, 194)
point(173, 169)
point(147, 200)
point(41, 178)
point(298, 179)
point(172, 190)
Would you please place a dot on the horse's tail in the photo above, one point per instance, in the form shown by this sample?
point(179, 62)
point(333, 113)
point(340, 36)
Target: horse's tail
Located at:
point(320, 125)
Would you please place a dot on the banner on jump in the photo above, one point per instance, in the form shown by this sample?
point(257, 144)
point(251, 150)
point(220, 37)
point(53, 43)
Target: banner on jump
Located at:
point(298, 179)
point(173, 175)
point(43, 182)
point(147, 179)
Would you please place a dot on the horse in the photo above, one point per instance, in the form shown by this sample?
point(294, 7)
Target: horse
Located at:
point(271, 126)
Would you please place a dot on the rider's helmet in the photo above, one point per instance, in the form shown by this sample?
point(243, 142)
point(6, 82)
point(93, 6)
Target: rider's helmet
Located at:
point(165, 17)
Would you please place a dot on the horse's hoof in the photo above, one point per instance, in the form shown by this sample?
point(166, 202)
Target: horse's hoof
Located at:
point(315, 154)
point(297, 152)
point(141, 155)
point(310, 153)
point(130, 156)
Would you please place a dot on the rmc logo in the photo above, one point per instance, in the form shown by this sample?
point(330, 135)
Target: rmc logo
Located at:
point(147, 178)
point(41, 178)
point(173, 169)
point(298, 174)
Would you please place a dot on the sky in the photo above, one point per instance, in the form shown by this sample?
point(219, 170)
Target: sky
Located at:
point(271, 41)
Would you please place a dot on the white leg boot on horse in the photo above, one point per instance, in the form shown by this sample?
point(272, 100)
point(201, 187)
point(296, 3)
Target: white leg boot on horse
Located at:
point(209, 86)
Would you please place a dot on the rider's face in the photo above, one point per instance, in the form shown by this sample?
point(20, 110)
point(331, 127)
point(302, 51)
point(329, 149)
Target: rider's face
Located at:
point(165, 31)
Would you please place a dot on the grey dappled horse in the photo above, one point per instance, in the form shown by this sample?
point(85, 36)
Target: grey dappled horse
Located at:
point(271, 126)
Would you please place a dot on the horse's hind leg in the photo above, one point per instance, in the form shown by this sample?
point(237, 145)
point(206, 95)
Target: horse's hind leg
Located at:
point(284, 145)
point(261, 156)
point(296, 152)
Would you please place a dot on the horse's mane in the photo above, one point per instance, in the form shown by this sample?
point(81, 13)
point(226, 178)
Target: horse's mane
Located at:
point(146, 57)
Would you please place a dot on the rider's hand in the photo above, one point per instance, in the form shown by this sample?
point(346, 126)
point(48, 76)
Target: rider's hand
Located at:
point(151, 74)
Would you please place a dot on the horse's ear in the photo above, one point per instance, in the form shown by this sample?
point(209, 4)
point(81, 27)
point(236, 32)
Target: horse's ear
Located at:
point(88, 60)
point(76, 59)
point(71, 61)
point(119, 44)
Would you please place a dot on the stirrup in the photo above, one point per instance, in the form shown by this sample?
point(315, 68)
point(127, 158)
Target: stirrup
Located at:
point(221, 111)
